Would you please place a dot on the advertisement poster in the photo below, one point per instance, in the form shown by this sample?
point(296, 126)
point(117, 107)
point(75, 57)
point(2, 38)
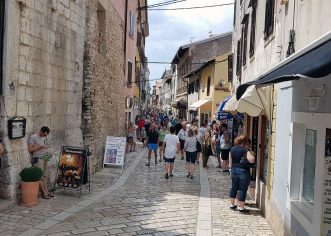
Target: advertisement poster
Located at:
point(115, 151)
point(71, 167)
point(326, 213)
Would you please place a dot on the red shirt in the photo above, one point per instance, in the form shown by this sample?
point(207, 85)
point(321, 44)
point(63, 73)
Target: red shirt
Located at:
point(141, 123)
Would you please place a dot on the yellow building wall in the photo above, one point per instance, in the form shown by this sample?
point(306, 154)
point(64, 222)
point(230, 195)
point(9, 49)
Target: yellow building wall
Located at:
point(221, 73)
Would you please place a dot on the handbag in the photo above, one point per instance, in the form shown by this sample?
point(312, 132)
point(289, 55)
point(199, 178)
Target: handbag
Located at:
point(244, 162)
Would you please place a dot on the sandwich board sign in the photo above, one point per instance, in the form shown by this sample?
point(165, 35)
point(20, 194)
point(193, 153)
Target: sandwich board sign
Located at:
point(115, 151)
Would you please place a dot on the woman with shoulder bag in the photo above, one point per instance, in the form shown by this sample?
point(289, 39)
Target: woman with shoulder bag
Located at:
point(240, 159)
point(207, 151)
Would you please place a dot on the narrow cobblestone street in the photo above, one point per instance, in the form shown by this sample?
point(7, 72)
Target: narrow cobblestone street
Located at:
point(140, 202)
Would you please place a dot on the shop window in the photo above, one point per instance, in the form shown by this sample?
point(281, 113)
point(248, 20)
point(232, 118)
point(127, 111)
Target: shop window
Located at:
point(303, 173)
point(2, 30)
point(253, 27)
point(269, 18)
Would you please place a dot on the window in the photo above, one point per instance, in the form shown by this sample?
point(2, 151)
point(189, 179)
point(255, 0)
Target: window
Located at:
point(244, 37)
point(238, 66)
point(234, 15)
point(132, 24)
point(129, 73)
point(197, 85)
point(230, 68)
point(269, 18)
point(2, 30)
point(208, 86)
point(101, 16)
point(253, 26)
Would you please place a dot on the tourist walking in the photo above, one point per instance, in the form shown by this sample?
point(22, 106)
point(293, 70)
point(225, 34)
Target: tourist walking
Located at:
point(198, 136)
point(240, 158)
point(129, 137)
point(182, 137)
point(162, 133)
point(190, 147)
point(153, 142)
point(171, 147)
point(207, 151)
point(225, 147)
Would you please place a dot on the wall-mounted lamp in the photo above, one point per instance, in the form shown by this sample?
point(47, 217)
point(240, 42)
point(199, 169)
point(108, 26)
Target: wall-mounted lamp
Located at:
point(314, 97)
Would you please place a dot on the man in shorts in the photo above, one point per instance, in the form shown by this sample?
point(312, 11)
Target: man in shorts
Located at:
point(171, 145)
point(153, 143)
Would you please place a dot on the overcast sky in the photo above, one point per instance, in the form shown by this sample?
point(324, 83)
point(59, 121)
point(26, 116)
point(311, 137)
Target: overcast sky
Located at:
point(170, 29)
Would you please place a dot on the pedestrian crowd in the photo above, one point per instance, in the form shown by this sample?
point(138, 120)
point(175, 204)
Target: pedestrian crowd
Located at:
point(172, 135)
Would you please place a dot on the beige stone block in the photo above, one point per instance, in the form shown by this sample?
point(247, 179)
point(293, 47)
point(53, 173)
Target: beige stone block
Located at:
point(21, 93)
point(22, 108)
point(23, 78)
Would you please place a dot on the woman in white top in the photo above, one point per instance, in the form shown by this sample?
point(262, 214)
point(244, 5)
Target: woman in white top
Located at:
point(225, 147)
point(190, 147)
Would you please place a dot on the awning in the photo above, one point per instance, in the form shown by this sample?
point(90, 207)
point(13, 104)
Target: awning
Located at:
point(179, 103)
point(229, 104)
point(256, 101)
point(195, 106)
point(313, 61)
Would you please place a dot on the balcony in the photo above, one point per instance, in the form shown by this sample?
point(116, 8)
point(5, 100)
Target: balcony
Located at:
point(182, 90)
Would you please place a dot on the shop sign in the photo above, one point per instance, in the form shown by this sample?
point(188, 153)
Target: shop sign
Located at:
point(115, 151)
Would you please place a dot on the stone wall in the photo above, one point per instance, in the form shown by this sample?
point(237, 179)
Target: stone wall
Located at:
point(44, 45)
point(104, 80)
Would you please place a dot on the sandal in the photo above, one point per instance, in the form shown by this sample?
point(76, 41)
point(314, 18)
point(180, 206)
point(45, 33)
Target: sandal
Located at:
point(45, 197)
point(50, 195)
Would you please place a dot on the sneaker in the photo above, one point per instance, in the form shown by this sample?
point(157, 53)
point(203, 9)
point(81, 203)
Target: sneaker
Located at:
point(243, 210)
point(233, 207)
point(171, 175)
point(191, 177)
point(166, 176)
point(182, 158)
point(226, 171)
point(160, 160)
point(147, 164)
point(188, 175)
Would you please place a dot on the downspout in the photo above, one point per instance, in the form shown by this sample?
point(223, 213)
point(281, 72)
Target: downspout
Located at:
point(125, 31)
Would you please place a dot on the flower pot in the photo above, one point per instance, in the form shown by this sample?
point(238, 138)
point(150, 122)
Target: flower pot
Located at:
point(30, 193)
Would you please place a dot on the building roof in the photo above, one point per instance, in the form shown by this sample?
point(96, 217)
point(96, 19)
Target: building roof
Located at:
point(182, 49)
point(200, 68)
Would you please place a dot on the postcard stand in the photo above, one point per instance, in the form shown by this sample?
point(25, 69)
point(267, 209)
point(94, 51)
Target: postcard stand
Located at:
point(84, 178)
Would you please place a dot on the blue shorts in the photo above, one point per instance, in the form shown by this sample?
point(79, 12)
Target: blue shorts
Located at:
point(152, 146)
point(169, 160)
point(191, 157)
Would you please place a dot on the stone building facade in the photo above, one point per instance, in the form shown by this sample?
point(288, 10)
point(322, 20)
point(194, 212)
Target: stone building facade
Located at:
point(104, 78)
point(43, 49)
point(64, 65)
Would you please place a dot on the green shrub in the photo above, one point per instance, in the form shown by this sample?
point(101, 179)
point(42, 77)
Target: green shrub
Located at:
point(31, 174)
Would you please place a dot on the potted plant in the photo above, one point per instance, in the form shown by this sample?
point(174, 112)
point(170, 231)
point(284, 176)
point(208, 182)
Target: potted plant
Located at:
point(30, 185)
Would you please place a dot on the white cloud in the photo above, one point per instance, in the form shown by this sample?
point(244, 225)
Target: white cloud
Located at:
point(171, 29)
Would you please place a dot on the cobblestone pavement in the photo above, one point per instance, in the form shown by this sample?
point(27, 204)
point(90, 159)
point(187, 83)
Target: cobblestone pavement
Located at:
point(141, 202)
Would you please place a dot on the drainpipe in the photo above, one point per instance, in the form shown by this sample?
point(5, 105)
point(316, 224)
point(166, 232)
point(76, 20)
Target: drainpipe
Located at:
point(125, 31)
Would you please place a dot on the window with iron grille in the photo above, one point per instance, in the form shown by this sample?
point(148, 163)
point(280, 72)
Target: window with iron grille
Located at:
point(269, 18)
point(2, 30)
point(253, 26)
point(230, 68)
point(244, 37)
point(238, 65)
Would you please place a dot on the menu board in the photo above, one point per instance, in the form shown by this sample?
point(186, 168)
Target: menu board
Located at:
point(115, 151)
